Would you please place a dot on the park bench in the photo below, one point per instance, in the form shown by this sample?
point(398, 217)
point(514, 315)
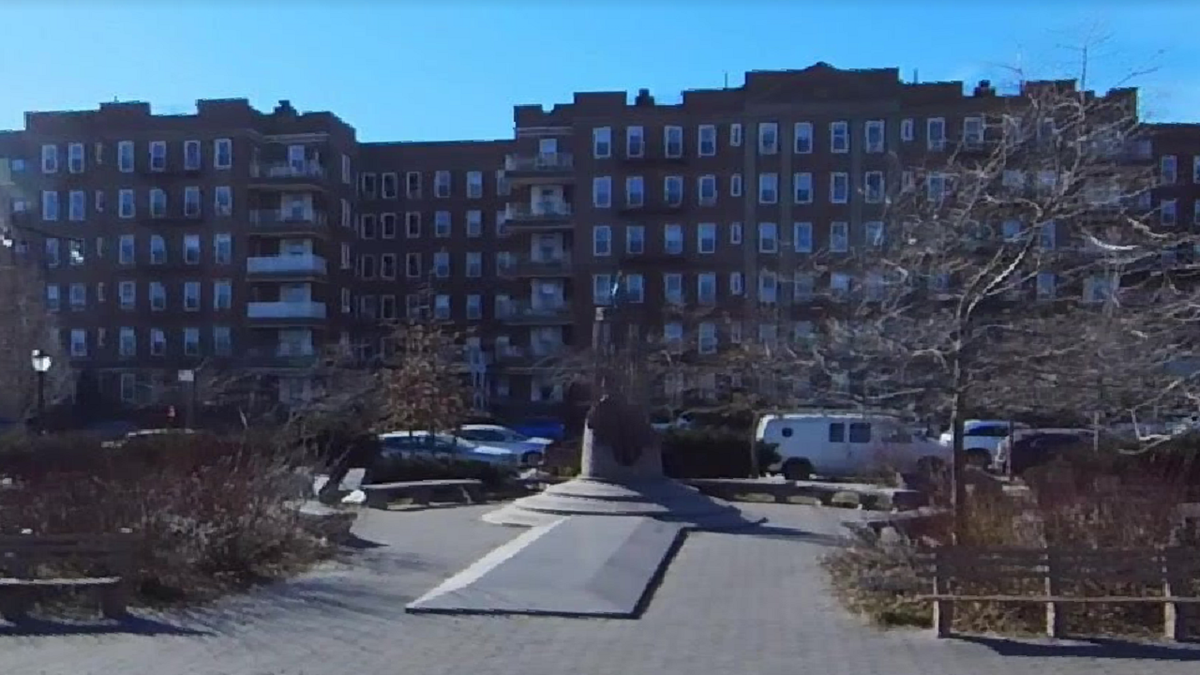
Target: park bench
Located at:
point(32, 565)
point(380, 495)
point(1054, 578)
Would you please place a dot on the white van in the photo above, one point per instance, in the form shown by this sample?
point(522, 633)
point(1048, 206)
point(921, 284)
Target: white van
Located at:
point(845, 444)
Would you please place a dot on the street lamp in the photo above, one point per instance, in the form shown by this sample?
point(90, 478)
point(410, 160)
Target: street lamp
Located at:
point(41, 362)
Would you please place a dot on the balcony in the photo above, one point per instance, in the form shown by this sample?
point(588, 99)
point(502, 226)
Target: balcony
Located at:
point(305, 265)
point(282, 356)
point(541, 314)
point(556, 264)
point(521, 360)
point(309, 175)
point(286, 311)
point(546, 168)
point(544, 216)
point(289, 223)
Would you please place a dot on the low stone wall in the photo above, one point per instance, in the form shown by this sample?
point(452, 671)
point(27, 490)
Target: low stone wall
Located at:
point(843, 495)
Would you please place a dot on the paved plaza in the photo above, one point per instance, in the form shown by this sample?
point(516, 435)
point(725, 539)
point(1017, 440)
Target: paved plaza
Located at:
point(730, 603)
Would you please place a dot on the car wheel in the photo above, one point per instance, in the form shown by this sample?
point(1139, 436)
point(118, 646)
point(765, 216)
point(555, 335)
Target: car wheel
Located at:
point(797, 469)
point(978, 457)
point(532, 458)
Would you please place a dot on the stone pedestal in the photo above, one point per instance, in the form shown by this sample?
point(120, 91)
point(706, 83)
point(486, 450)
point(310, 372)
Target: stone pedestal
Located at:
point(621, 475)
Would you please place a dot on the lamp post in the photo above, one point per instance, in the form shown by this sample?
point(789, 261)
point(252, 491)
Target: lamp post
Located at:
point(188, 377)
point(41, 362)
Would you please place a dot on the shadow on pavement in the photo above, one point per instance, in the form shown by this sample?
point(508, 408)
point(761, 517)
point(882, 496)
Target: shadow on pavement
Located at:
point(766, 529)
point(131, 626)
point(1092, 648)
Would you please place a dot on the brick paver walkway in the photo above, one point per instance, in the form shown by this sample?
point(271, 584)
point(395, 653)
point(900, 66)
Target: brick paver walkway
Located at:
point(730, 603)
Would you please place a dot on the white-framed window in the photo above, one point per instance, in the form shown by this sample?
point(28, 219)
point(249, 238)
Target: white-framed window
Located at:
point(935, 186)
point(474, 265)
point(367, 185)
point(935, 133)
point(126, 249)
point(839, 187)
point(768, 287)
point(707, 190)
point(77, 205)
point(673, 239)
point(79, 345)
point(602, 240)
point(972, 131)
point(706, 140)
point(802, 188)
point(768, 138)
point(412, 224)
point(839, 285)
point(191, 249)
point(158, 155)
point(635, 192)
point(441, 264)
point(412, 184)
point(839, 237)
point(1046, 283)
point(347, 174)
point(1048, 236)
point(222, 293)
point(839, 137)
point(804, 284)
point(706, 288)
point(768, 188)
point(673, 288)
point(635, 239)
point(874, 233)
point(602, 142)
point(873, 187)
point(768, 238)
point(441, 184)
point(474, 184)
point(802, 139)
point(875, 133)
point(412, 265)
point(389, 185)
point(53, 299)
point(441, 224)
point(223, 248)
point(158, 342)
point(125, 156)
point(735, 234)
point(387, 265)
point(673, 141)
point(474, 224)
point(127, 292)
point(158, 203)
point(602, 192)
point(635, 141)
point(49, 159)
point(1168, 169)
point(635, 288)
point(158, 296)
point(191, 201)
point(77, 295)
point(222, 200)
point(907, 130)
point(735, 135)
point(1168, 212)
point(49, 205)
point(126, 207)
point(75, 251)
point(191, 341)
point(1196, 212)
point(158, 250)
point(1100, 288)
point(673, 190)
point(192, 159)
point(602, 289)
point(737, 283)
point(222, 153)
point(735, 185)
point(1196, 169)
point(75, 158)
point(802, 237)
point(127, 347)
point(706, 238)
point(1011, 230)
point(222, 337)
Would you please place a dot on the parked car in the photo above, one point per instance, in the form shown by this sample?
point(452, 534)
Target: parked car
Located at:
point(531, 449)
point(845, 444)
point(541, 427)
point(1028, 448)
point(981, 438)
point(409, 444)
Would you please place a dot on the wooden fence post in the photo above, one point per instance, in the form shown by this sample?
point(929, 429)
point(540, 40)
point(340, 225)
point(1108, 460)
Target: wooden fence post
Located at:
point(943, 608)
point(1173, 624)
point(1052, 588)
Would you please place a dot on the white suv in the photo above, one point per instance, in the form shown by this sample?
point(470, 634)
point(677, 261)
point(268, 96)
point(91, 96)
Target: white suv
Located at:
point(981, 438)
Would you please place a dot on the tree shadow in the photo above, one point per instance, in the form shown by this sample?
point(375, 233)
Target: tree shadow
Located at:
point(133, 625)
point(1093, 648)
point(764, 528)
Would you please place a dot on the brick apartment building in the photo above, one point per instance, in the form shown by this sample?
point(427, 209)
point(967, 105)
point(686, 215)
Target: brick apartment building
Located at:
point(249, 240)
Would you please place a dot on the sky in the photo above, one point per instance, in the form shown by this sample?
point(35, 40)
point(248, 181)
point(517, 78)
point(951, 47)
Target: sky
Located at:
point(448, 70)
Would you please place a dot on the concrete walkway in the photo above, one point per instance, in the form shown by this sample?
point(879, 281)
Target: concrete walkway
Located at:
point(730, 603)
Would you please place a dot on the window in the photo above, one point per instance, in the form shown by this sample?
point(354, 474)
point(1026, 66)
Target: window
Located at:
point(768, 188)
point(602, 289)
point(191, 201)
point(474, 184)
point(223, 248)
point(98, 197)
point(736, 283)
point(735, 185)
point(366, 185)
point(474, 307)
point(49, 159)
point(635, 288)
point(602, 142)
point(1011, 230)
point(412, 224)
point(935, 133)
point(1045, 285)
point(127, 291)
point(158, 296)
point(412, 265)
point(367, 226)
point(1196, 169)
point(75, 160)
point(673, 141)
point(803, 286)
point(768, 138)
point(673, 190)
point(735, 135)
point(441, 264)
point(53, 301)
point(839, 187)
point(441, 184)
point(706, 140)
point(158, 342)
point(78, 296)
point(873, 232)
point(191, 155)
point(191, 341)
point(839, 137)
point(387, 266)
point(839, 237)
point(412, 184)
point(875, 133)
point(708, 190)
point(127, 347)
point(222, 338)
point(601, 240)
point(803, 140)
point(49, 205)
point(735, 234)
point(77, 205)
point(158, 203)
point(347, 174)
point(191, 296)
point(158, 155)
point(75, 251)
point(474, 223)
point(1048, 236)
point(125, 249)
point(474, 264)
point(768, 238)
point(222, 153)
point(441, 224)
point(839, 285)
point(973, 132)
point(1168, 169)
point(802, 237)
point(802, 188)
point(768, 287)
point(635, 195)
point(125, 204)
point(873, 187)
point(673, 239)
point(158, 250)
point(387, 225)
point(78, 343)
point(706, 288)
point(1168, 212)
point(935, 187)
point(635, 239)
point(191, 249)
point(1100, 288)
point(907, 130)
point(860, 432)
point(388, 186)
point(222, 294)
point(706, 238)
point(635, 142)
point(125, 156)
point(222, 200)
point(602, 192)
point(673, 288)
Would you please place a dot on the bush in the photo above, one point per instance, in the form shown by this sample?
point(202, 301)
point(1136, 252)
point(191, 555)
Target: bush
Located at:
point(211, 513)
point(712, 453)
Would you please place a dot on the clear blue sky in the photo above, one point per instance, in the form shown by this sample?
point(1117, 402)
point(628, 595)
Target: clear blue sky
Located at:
point(411, 70)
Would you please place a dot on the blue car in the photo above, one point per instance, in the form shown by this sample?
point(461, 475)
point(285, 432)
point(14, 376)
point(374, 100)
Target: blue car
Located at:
point(541, 427)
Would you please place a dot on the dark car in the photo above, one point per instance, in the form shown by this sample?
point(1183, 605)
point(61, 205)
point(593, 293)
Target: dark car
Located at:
point(1036, 448)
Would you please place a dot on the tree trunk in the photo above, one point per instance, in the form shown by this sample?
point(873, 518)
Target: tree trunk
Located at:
point(958, 465)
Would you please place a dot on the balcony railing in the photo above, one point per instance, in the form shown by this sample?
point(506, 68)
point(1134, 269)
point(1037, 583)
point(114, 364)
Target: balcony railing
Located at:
point(547, 162)
point(558, 263)
point(287, 170)
point(303, 309)
point(538, 211)
point(281, 356)
point(524, 312)
point(286, 264)
point(278, 218)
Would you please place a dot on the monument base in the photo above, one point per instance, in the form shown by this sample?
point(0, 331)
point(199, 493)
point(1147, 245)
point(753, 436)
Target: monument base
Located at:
point(658, 498)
